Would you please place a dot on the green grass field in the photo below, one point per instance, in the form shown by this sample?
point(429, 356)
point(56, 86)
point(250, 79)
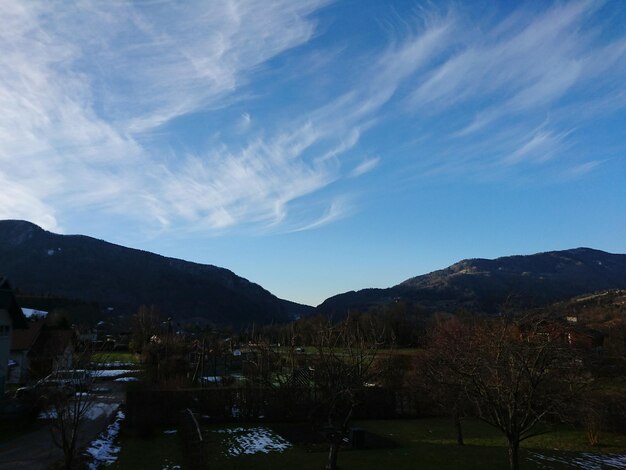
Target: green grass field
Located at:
point(113, 356)
point(424, 444)
point(162, 452)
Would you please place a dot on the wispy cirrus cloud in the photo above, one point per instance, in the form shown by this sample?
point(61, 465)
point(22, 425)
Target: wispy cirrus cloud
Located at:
point(337, 209)
point(530, 69)
point(18, 202)
point(261, 182)
point(546, 46)
point(540, 147)
point(365, 166)
point(172, 59)
point(253, 185)
point(80, 87)
point(581, 169)
point(98, 100)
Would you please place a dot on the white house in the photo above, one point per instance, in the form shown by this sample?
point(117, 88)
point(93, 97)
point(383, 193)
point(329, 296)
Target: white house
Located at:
point(11, 317)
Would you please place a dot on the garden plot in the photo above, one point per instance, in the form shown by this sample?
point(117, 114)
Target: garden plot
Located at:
point(254, 440)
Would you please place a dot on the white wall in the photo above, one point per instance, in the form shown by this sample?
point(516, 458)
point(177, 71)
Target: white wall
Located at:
point(5, 347)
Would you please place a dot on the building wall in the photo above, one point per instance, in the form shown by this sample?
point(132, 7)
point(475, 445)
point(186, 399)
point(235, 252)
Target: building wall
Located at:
point(64, 361)
point(5, 347)
point(18, 374)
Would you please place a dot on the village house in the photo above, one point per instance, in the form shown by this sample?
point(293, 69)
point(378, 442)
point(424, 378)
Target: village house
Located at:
point(570, 332)
point(11, 318)
point(22, 343)
point(38, 349)
point(52, 351)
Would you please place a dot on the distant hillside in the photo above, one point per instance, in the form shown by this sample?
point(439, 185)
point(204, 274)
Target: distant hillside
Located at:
point(81, 267)
point(602, 310)
point(490, 285)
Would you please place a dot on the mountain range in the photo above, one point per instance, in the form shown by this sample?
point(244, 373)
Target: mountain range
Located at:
point(493, 285)
point(122, 279)
point(91, 270)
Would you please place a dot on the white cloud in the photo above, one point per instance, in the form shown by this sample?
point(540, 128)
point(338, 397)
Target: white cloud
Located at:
point(337, 209)
point(540, 147)
point(172, 59)
point(254, 185)
point(17, 202)
point(553, 68)
point(261, 182)
point(582, 169)
point(81, 84)
point(244, 122)
point(527, 60)
point(91, 92)
point(365, 166)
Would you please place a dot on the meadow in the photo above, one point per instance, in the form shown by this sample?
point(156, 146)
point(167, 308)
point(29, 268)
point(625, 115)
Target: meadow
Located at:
point(398, 444)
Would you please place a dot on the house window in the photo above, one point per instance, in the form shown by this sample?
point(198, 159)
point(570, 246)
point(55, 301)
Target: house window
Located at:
point(4, 330)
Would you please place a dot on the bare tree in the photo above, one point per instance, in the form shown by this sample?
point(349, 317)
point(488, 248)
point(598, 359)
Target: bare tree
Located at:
point(166, 360)
point(514, 375)
point(432, 375)
point(281, 370)
point(146, 323)
point(343, 363)
point(67, 398)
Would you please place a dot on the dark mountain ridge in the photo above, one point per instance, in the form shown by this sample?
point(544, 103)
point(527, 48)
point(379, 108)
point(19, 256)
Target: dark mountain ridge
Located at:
point(491, 285)
point(81, 267)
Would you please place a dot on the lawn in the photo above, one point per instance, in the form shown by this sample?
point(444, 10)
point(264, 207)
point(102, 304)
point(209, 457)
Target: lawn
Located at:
point(429, 443)
point(162, 452)
point(114, 356)
point(398, 444)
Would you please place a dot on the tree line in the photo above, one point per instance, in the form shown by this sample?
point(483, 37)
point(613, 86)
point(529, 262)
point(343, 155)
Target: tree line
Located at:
point(520, 373)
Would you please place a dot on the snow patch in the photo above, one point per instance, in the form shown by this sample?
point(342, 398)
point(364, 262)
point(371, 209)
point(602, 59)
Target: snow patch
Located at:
point(101, 409)
point(111, 372)
point(48, 414)
point(585, 461)
point(171, 466)
point(211, 379)
point(126, 379)
point(113, 364)
point(103, 450)
point(247, 441)
point(94, 411)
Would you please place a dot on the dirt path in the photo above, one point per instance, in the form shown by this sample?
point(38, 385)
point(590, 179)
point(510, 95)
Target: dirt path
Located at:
point(36, 450)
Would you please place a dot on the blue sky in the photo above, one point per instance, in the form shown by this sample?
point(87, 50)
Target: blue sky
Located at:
point(316, 147)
